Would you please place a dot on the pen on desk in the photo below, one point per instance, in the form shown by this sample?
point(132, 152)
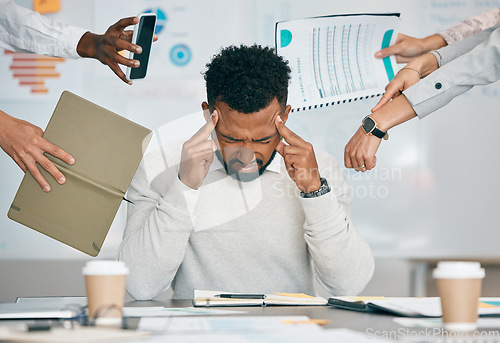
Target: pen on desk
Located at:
point(242, 296)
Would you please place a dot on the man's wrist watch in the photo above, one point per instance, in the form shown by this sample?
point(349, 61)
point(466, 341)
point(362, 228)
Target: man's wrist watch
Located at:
point(370, 126)
point(323, 189)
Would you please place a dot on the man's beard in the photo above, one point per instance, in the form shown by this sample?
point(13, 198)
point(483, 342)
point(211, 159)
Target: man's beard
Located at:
point(244, 177)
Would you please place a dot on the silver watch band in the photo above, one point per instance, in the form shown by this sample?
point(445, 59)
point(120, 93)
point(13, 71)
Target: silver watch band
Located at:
point(323, 189)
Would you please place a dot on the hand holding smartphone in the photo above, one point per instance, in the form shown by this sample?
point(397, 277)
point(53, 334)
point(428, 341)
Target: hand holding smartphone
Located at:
point(143, 36)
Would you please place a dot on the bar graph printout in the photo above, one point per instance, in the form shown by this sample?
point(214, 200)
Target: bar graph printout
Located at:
point(332, 57)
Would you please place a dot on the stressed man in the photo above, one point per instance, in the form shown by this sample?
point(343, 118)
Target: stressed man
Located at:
point(244, 205)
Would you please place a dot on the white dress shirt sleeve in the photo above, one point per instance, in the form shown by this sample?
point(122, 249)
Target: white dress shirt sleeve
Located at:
point(23, 30)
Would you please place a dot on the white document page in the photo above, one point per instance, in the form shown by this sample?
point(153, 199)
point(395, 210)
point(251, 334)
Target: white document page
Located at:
point(431, 306)
point(222, 323)
point(482, 323)
point(294, 336)
point(172, 312)
point(332, 58)
point(85, 334)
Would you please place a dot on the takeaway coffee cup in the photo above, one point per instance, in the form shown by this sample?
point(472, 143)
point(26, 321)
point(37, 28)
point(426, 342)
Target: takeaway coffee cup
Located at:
point(459, 287)
point(105, 288)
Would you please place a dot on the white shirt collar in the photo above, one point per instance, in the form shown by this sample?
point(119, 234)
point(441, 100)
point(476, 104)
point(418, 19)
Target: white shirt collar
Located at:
point(274, 166)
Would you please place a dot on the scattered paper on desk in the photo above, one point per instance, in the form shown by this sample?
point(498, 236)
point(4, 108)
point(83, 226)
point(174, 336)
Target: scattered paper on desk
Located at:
point(428, 307)
point(83, 334)
point(295, 295)
point(321, 336)
point(172, 312)
point(482, 323)
point(367, 298)
point(431, 307)
point(224, 324)
point(309, 321)
point(349, 336)
point(53, 301)
point(493, 303)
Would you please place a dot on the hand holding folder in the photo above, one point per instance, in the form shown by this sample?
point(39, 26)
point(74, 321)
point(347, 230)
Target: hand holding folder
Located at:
point(108, 149)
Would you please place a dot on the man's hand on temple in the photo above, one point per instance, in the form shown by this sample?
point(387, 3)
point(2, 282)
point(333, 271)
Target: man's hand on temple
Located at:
point(198, 154)
point(299, 158)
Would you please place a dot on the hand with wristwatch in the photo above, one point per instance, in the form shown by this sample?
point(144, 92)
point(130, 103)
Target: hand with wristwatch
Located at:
point(360, 151)
point(370, 127)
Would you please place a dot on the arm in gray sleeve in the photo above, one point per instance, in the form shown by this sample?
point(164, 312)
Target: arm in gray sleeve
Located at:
point(342, 260)
point(471, 26)
point(23, 30)
point(156, 235)
point(479, 66)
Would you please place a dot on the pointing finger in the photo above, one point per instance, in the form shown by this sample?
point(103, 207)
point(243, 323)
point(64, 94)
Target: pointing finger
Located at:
point(279, 148)
point(123, 23)
point(289, 136)
point(383, 100)
point(205, 131)
point(392, 50)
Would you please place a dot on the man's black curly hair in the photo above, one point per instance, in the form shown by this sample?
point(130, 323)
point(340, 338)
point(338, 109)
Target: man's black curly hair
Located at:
point(247, 78)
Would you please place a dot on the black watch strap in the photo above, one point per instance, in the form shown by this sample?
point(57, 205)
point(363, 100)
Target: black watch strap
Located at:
point(378, 133)
point(370, 127)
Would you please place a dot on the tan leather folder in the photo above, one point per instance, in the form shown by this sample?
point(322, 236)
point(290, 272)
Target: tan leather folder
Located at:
point(108, 149)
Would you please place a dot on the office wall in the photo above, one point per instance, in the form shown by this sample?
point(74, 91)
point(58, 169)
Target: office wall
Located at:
point(432, 195)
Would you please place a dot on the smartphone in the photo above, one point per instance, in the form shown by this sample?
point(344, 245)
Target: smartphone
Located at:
point(143, 36)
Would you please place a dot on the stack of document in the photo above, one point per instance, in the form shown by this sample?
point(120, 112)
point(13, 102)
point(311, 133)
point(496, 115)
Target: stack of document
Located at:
point(219, 298)
point(36, 311)
point(409, 306)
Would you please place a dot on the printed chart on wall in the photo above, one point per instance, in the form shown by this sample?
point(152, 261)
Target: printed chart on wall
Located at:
point(332, 58)
point(36, 77)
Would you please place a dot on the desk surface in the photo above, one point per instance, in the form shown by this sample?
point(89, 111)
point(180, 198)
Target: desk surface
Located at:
point(371, 325)
point(338, 318)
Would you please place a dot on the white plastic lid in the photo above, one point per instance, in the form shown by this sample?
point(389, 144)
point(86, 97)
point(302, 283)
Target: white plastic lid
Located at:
point(458, 270)
point(102, 267)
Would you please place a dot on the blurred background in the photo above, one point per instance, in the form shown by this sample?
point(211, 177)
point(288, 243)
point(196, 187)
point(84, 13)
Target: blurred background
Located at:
point(433, 194)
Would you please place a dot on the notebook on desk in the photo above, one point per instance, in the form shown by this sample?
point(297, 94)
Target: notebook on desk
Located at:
point(36, 311)
point(54, 301)
point(108, 149)
point(408, 306)
point(218, 298)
